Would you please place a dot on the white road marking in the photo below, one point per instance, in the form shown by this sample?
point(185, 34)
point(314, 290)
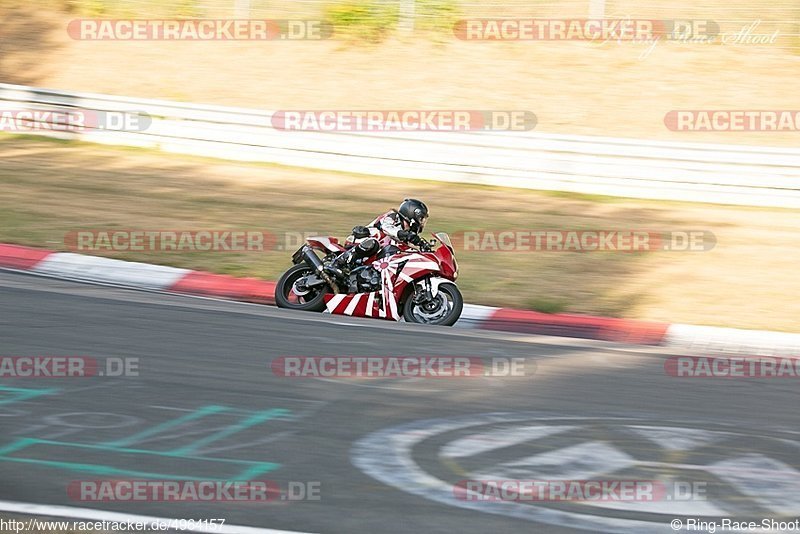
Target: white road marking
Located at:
point(667, 438)
point(497, 439)
point(771, 482)
point(388, 456)
point(579, 462)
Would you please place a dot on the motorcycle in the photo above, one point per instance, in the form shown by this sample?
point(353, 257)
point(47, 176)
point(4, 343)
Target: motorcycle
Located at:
point(416, 284)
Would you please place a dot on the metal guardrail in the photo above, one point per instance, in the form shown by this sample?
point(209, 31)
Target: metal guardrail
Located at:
point(728, 174)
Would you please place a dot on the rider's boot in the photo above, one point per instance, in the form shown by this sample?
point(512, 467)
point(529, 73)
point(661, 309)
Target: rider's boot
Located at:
point(347, 259)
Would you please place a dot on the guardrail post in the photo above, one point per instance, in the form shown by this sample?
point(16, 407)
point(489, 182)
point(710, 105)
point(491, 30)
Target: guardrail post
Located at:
point(407, 14)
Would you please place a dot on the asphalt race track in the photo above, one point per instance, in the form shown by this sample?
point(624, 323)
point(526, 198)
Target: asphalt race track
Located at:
point(207, 406)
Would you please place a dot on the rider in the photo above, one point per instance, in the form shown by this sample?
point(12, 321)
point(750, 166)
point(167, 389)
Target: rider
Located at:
point(403, 224)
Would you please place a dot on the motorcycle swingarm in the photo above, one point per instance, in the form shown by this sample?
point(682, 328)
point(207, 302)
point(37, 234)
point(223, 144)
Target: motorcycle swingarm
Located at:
point(312, 280)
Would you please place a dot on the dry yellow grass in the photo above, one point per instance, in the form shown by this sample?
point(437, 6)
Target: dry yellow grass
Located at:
point(749, 280)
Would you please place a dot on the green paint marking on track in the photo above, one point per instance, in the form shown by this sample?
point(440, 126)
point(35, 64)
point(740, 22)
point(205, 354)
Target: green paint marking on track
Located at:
point(253, 420)
point(23, 394)
point(106, 470)
point(15, 446)
point(251, 468)
point(197, 414)
point(255, 471)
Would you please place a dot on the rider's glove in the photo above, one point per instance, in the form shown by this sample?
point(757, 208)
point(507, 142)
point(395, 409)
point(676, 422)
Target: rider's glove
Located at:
point(412, 238)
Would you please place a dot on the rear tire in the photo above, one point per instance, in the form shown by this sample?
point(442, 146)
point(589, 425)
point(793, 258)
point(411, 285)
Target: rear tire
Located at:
point(285, 298)
point(449, 295)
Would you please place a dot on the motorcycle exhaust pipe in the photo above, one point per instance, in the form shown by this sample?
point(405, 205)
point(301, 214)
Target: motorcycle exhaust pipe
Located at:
point(314, 262)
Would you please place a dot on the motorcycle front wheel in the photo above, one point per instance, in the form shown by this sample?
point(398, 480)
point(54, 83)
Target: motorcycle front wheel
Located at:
point(444, 309)
point(288, 296)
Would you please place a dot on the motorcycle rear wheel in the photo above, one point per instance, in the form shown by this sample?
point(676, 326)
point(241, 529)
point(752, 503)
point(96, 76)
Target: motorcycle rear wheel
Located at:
point(285, 297)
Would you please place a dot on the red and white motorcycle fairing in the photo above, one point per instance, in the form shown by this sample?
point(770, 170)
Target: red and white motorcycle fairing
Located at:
point(330, 244)
point(383, 303)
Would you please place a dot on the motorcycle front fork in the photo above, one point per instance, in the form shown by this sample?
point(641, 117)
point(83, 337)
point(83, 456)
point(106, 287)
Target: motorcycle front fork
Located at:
point(425, 294)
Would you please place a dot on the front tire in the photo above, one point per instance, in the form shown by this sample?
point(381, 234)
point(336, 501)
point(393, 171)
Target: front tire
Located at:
point(285, 297)
point(444, 311)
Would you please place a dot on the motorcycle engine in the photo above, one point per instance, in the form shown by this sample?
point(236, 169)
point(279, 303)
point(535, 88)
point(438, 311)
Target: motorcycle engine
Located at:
point(364, 280)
